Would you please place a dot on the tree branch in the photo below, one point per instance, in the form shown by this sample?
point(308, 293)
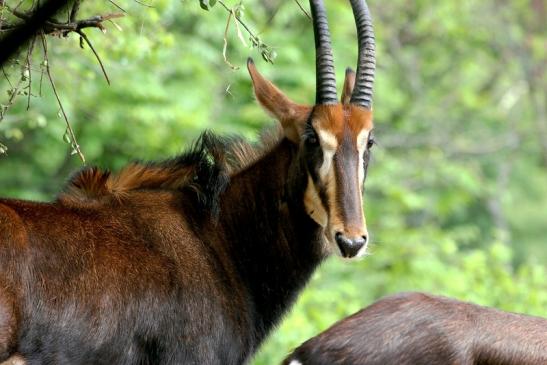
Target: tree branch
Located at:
point(74, 11)
point(70, 131)
point(84, 36)
point(302, 8)
point(267, 53)
point(53, 27)
point(20, 35)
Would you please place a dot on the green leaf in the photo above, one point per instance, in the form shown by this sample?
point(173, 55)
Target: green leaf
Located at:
point(207, 4)
point(66, 137)
point(239, 11)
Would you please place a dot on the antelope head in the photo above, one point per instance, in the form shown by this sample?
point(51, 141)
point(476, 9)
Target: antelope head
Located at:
point(334, 137)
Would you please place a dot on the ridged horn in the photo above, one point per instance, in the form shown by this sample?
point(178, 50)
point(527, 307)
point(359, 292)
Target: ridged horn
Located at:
point(366, 61)
point(325, 92)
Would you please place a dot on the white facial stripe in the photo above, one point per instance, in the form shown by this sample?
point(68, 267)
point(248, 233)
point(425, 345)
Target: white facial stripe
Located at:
point(332, 220)
point(328, 144)
point(328, 140)
point(327, 163)
point(362, 139)
point(313, 204)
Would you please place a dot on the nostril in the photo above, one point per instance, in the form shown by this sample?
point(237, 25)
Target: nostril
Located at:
point(349, 247)
point(341, 239)
point(365, 239)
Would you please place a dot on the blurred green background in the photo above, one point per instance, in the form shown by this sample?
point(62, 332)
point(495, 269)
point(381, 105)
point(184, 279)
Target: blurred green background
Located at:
point(456, 197)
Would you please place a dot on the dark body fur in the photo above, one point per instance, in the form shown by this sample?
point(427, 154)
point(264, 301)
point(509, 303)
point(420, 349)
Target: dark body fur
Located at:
point(421, 329)
point(151, 274)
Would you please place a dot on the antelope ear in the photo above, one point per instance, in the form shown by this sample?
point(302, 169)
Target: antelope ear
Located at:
point(291, 115)
point(349, 83)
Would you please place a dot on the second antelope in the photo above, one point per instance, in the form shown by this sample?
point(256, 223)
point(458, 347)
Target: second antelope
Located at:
point(423, 329)
point(193, 260)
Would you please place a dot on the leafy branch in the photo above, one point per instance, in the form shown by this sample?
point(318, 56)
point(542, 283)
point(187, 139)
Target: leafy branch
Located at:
point(235, 14)
point(52, 27)
point(37, 22)
point(63, 28)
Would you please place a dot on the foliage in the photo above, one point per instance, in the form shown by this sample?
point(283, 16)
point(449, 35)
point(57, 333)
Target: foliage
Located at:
point(457, 189)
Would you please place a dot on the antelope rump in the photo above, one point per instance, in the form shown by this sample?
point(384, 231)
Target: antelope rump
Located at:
point(193, 260)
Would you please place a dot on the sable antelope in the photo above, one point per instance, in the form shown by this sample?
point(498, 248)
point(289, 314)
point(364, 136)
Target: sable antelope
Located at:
point(422, 329)
point(194, 259)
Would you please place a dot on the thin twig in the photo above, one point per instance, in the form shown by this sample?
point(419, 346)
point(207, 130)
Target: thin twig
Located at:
point(29, 53)
point(18, 5)
point(74, 11)
point(303, 10)
point(41, 77)
point(239, 20)
point(6, 76)
point(224, 49)
point(75, 144)
point(267, 53)
point(13, 92)
point(143, 4)
point(116, 25)
point(239, 30)
point(82, 34)
point(116, 5)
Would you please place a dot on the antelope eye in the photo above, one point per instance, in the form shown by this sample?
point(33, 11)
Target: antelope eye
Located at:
point(311, 138)
point(371, 142)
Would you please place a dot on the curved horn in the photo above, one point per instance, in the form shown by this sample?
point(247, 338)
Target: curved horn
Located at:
point(366, 62)
point(324, 63)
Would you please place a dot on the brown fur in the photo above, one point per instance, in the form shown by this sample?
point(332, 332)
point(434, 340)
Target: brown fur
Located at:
point(188, 260)
point(93, 186)
point(338, 118)
point(242, 154)
point(291, 115)
point(192, 260)
point(141, 263)
point(344, 122)
point(418, 328)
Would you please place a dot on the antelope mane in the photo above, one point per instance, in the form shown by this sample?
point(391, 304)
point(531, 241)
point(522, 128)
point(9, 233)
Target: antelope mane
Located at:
point(204, 169)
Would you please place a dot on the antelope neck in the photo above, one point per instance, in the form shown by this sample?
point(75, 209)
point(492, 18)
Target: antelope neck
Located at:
point(274, 244)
